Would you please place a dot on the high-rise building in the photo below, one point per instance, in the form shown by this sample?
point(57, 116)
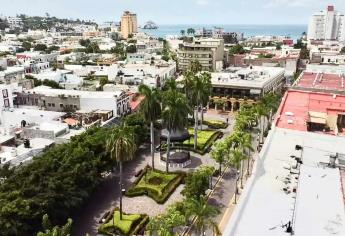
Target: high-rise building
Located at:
point(327, 25)
point(129, 24)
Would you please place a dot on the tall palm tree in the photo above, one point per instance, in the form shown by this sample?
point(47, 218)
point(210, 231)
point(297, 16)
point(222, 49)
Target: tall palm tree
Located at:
point(236, 158)
point(175, 113)
point(262, 112)
point(121, 146)
point(201, 93)
point(204, 214)
point(151, 109)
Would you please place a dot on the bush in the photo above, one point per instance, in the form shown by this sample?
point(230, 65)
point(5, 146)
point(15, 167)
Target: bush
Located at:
point(215, 124)
point(131, 224)
point(158, 192)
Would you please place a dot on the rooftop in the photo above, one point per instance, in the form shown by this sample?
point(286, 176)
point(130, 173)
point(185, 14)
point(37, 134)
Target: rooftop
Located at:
point(321, 81)
point(269, 201)
point(45, 90)
point(257, 77)
point(298, 107)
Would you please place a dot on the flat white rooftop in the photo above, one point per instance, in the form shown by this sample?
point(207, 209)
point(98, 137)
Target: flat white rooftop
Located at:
point(257, 77)
point(316, 209)
point(45, 90)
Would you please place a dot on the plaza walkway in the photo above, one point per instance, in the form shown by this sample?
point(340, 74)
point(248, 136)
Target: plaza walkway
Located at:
point(107, 195)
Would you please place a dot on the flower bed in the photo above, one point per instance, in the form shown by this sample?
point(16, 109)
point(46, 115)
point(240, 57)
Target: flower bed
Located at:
point(131, 224)
point(156, 184)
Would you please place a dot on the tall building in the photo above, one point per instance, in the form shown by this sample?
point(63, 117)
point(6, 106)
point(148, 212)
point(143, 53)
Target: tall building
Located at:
point(327, 25)
point(208, 51)
point(129, 24)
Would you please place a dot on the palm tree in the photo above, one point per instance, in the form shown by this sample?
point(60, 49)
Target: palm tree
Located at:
point(151, 109)
point(174, 114)
point(121, 146)
point(183, 32)
point(236, 158)
point(262, 112)
point(203, 213)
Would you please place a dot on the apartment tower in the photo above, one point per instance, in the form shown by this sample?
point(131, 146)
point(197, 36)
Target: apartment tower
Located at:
point(327, 25)
point(129, 24)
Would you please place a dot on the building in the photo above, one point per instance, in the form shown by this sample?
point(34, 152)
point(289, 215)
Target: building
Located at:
point(209, 52)
point(129, 24)
point(237, 86)
point(327, 25)
point(72, 100)
point(295, 189)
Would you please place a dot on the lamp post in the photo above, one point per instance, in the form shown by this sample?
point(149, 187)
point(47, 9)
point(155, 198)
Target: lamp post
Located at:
point(121, 194)
point(236, 187)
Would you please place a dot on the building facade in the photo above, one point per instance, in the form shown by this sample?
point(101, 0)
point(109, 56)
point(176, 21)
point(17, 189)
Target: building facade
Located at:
point(129, 24)
point(327, 25)
point(209, 52)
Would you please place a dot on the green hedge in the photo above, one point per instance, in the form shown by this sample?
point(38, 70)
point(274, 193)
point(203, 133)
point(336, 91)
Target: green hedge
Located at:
point(215, 124)
point(160, 198)
point(135, 228)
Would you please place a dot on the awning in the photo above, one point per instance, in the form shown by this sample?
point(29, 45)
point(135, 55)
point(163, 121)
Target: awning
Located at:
point(71, 121)
point(317, 117)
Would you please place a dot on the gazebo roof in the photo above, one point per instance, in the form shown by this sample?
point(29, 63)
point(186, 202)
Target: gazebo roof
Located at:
point(175, 135)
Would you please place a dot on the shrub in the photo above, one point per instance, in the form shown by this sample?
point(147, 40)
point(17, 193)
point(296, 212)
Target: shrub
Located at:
point(131, 224)
point(215, 124)
point(160, 192)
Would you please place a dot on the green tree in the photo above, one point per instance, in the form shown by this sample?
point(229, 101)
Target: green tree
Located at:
point(65, 230)
point(165, 224)
point(40, 47)
point(236, 160)
point(237, 49)
point(198, 182)
point(121, 147)
point(131, 49)
point(183, 32)
point(204, 215)
point(220, 153)
point(174, 114)
point(26, 45)
point(151, 108)
point(190, 31)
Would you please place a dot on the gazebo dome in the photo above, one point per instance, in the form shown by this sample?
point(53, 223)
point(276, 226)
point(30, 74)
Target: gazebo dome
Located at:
point(175, 135)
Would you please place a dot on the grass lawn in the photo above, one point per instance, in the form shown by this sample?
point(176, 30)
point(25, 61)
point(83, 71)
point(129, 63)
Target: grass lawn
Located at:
point(156, 180)
point(156, 184)
point(125, 225)
point(204, 138)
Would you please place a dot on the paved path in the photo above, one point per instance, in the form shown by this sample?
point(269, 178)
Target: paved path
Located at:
point(107, 195)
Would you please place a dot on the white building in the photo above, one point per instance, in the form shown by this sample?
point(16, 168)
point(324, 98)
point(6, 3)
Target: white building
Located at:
point(60, 99)
point(327, 25)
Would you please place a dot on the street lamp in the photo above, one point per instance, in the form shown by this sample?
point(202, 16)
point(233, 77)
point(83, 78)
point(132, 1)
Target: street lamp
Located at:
point(121, 194)
point(236, 188)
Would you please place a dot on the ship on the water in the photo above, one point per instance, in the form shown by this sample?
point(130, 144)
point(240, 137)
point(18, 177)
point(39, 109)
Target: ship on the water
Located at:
point(150, 25)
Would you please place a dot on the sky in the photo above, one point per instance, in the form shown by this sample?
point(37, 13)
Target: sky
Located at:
point(176, 11)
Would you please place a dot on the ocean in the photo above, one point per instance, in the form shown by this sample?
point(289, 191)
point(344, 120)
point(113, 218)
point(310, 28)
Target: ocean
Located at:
point(293, 31)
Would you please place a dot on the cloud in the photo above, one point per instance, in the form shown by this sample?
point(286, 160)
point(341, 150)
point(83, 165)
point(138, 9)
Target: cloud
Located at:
point(202, 2)
point(287, 3)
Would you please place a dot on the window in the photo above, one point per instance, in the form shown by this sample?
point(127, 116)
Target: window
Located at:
point(49, 104)
point(53, 104)
point(4, 93)
point(61, 105)
point(75, 106)
point(6, 103)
